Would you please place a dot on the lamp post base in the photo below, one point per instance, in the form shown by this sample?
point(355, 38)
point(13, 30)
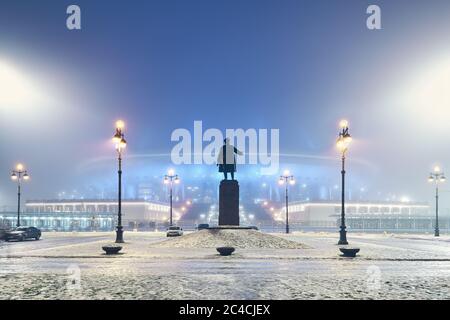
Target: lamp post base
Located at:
point(119, 234)
point(436, 232)
point(343, 237)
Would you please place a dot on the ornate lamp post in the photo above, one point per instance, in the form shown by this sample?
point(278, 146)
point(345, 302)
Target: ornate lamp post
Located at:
point(287, 179)
point(17, 175)
point(169, 179)
point(342, 144)
point(120, 144)
point(437, 176)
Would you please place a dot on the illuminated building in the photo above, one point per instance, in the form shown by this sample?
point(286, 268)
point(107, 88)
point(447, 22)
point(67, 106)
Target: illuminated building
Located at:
point(361, 215)
point(86, 215)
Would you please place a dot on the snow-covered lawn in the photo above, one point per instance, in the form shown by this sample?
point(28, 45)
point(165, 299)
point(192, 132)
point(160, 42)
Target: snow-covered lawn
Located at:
point(239, 238)
point(73, 266)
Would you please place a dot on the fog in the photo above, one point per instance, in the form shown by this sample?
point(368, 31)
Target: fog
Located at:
point(164, 65)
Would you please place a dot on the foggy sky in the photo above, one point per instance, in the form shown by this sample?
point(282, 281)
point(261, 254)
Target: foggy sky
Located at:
point(295, 65)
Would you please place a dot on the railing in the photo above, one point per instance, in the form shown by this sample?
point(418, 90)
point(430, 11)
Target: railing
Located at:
point(356, 224)
point(411, 225)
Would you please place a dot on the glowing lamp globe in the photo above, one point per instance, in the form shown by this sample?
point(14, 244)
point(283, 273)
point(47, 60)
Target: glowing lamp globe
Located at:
point(120, 124)
point(340, 144)
point(347, 139)
point(123, 143)
point(117, 138)
point(343, 124)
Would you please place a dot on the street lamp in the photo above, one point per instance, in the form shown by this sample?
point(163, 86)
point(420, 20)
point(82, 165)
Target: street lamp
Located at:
point(342, 144)
point(437, 176)
point(18, 174)
point(120, 144)
point(171, 178)
point(287, 179)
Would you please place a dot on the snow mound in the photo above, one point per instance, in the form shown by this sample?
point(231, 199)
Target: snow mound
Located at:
point(238, 238)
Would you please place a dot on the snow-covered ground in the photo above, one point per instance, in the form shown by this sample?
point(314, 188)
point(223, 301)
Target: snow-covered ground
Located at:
point(238, 238)
point(73, 266)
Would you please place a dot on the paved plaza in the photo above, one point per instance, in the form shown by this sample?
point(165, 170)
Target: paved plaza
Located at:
point(73, 266)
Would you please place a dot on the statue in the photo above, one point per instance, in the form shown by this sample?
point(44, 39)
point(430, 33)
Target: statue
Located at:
point(227, 160)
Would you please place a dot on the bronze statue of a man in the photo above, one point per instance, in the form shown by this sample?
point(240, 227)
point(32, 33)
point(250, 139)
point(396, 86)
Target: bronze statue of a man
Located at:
point(227, 160)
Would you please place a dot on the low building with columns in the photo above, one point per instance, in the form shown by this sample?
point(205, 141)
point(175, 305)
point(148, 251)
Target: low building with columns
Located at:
point(85, 215)
point(361, 215)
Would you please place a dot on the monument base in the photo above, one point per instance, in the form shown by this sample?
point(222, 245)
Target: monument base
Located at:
point(229, 203)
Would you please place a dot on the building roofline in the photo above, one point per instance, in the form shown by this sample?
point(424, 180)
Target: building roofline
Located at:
point(96, 201)
point(361, 203)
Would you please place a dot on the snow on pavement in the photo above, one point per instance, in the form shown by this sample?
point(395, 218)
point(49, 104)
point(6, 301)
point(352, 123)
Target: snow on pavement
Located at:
point(389, 267)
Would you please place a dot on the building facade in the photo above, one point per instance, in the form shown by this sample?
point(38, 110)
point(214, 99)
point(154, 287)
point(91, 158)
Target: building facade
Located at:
point(376, 216)
point(55, 221)
point(88, 215)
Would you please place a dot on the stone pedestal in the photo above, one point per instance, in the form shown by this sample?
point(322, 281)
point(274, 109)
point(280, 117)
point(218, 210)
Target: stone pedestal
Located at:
point(229, 203)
